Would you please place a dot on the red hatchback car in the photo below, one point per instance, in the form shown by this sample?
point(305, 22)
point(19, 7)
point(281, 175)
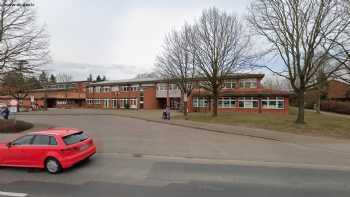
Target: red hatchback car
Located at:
point(52, 149)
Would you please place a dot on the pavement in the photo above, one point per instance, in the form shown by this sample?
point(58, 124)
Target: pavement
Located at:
point(140, 157)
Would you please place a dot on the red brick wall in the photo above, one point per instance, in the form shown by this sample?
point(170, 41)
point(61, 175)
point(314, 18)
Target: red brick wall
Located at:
point(337, 89)
point(150, 100)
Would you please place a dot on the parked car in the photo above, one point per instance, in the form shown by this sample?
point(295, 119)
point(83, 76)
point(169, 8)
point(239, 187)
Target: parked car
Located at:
point(53, 149)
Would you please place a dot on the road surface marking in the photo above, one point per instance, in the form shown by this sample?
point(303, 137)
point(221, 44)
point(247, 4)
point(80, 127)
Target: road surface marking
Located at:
point(12, 194)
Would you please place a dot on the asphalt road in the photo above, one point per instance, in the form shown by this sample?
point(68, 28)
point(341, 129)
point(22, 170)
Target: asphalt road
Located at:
point(164, 177)
point(140, 158)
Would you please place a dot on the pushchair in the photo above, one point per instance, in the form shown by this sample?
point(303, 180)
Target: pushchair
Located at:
point(164, 115)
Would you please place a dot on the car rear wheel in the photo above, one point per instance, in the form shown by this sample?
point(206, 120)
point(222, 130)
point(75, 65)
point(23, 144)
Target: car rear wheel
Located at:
point(53, 166)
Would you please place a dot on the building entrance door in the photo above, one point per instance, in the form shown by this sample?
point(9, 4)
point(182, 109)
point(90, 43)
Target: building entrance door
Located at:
point(114, 103)
point(106, 103)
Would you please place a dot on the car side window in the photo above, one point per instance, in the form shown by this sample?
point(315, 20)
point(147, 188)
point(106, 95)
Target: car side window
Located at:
point(53, 141)
point(41, 140)
point(25, 140)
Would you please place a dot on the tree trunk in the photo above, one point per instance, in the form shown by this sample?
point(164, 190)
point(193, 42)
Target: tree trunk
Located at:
point(215, 104)
point(185, 103)
point(301, 110)
point(45, 101)
point(318, 103)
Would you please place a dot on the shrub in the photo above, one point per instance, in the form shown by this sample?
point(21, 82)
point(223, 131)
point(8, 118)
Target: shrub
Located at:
point(12, 126)
point(336, 106)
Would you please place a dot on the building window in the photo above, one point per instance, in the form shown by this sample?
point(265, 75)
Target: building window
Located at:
point(123, 103)
point(173, 87)
point(133, 103)
point(134, 88)
point(114, 103)
point(115, 88)
point(229, 84)
point(91, 89)
point(272, 103)
point(248, 102)
point(97, 89)
point(106, 89)
point(248, 83)
point(126, 88)
point(88, 101)
point(97, 101)
point(162, 86)
point(106, 103)
point(62, 102)
point(199, 102)
point(227, 102)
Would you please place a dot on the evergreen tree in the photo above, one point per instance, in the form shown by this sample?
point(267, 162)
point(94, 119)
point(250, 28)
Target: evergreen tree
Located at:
point(89, 78)
point(43, 78)
point(34, 83)
point(98, 78)
point(52, 78)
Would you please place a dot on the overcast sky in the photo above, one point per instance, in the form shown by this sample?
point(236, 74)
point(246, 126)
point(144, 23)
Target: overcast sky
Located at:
point(113, 37)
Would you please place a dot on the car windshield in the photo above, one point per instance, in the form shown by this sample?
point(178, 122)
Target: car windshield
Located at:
point(75, 138)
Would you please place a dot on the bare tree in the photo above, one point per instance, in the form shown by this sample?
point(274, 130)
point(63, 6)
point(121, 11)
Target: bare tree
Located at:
point(144, 75)
point(221, 48)
point(276, 82)
point(64, 78)
point(342, 54)
point(302, 34)
point(17, 83)
point(20, 38)
point(177, 62)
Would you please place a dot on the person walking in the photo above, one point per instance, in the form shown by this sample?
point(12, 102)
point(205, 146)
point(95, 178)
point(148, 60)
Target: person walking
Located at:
point(167, 110)
point(6, 113)
point(164, 115)
point(2, 114)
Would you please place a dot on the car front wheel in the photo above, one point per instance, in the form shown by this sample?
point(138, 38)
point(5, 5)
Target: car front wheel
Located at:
point(53, 166)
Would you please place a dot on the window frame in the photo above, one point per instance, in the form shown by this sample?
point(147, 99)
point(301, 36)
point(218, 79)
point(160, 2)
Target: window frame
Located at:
point(36, 135)
point(243, 83)
point(232, 101)
point(30, 143)
point(201, 102)
point(268, 101)
point(233, 84)
point(251, 100)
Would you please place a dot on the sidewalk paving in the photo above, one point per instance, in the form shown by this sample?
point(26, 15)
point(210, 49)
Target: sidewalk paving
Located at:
point(327, 143)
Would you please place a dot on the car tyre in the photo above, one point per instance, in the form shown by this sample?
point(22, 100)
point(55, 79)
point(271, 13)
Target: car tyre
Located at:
point(53, 166)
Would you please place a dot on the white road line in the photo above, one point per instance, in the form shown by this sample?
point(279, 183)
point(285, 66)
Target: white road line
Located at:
point(13, 194)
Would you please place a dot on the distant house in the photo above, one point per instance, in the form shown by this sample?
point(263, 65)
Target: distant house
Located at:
point(338, 91)
point(335, 92)
point(61, 95)
point(58, 95)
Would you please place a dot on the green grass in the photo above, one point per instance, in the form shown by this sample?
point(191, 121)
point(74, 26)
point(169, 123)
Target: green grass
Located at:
point(10, 126)
point(316, 124)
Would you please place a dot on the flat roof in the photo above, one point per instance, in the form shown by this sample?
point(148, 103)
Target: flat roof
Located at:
point(154, 80)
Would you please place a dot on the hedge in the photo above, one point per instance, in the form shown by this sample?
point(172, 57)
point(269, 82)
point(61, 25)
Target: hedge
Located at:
point(336, 106)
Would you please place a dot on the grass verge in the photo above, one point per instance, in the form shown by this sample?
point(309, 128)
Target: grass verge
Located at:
point(316, 124)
